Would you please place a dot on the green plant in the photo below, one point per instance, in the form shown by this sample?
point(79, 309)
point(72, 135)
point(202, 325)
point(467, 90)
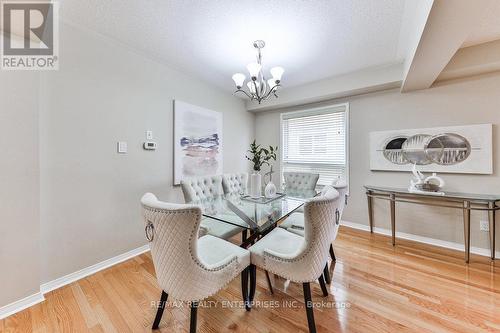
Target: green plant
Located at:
point(261, 155)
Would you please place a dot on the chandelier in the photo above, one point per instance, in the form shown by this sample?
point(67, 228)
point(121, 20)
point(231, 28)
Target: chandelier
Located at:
point(259, 88)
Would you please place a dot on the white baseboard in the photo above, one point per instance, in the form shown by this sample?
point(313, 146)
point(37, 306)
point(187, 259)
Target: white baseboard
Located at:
point(20, 305)
point(421, 239)
point(24, 303)
point(67, 279)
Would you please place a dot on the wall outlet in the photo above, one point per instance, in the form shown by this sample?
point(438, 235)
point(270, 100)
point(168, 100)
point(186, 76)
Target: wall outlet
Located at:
point(484, 226)
point(149, 135)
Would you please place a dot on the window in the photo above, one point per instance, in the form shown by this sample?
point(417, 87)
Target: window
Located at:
point(316, 141)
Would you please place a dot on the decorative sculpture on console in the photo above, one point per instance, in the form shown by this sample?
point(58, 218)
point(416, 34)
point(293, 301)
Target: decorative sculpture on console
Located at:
point(429, 185)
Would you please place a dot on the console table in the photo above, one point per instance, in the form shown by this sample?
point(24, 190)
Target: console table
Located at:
point(464, 201)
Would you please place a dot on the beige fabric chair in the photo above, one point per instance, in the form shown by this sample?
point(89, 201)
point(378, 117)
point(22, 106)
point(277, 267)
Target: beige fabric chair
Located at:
point(187, 268)
point(197, 189)
point(296, 258)
point(204, 191)
point(300, 181)
point(295, 222)
point(235, 183)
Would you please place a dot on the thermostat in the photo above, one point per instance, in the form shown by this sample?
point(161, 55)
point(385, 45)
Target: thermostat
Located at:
point(149, 145)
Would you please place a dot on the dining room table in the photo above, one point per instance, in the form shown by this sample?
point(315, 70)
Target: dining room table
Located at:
point(256, 216)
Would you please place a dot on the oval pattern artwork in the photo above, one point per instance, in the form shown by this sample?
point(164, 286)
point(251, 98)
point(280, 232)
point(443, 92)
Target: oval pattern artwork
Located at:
point(393, 152)
point(424, 149)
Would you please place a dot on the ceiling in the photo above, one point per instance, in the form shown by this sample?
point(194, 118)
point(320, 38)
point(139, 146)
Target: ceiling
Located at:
point(489, 29)
point(212, 40)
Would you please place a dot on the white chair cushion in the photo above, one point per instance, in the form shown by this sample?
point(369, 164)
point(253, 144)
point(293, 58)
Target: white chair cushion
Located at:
point(277, 241)
point(212, 251)
point(219, 229)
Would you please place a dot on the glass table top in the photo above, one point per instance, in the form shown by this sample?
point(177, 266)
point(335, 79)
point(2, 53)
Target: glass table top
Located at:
point(251, 215)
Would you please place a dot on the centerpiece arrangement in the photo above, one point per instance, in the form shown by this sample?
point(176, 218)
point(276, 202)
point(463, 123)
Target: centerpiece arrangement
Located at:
point(259, 156)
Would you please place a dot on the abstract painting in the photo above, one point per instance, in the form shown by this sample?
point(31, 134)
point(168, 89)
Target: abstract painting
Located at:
point(197, 141)
point(455, 149)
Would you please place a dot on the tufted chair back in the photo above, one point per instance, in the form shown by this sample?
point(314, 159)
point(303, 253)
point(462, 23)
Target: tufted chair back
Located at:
point(172, 230)
point(235, 183)
point(199, 189)
point(299, 181)
point(309, 261)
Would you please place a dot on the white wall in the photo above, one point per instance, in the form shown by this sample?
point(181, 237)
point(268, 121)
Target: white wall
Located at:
point(19, 186)
point(67, 199)
point(90, 195)
point(473, 101)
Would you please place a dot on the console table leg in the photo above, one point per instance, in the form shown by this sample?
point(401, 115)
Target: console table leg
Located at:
point(393, 218)
point(491, 220)
point(370, 209)
point(466, 212)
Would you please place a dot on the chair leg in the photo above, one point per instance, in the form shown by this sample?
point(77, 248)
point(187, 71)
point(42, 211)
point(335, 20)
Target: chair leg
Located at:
point(326, 274)
point(253, 284)
point(323, 286)
point(194, 314)
point(244, 236)
point(269, 284)
point(244, 285)
point(161, 308)
point(332, 254)
point(309, 307)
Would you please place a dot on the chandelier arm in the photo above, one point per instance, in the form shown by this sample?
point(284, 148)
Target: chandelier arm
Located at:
point(272, 91)
point(243, 91)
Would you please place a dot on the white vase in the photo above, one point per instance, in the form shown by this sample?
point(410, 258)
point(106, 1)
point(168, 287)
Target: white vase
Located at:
point(270, 190)
point(255, 185)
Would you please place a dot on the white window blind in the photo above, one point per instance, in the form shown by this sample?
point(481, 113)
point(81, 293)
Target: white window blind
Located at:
point(315, 141)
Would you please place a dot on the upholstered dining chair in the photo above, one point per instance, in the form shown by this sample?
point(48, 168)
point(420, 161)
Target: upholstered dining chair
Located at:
point(296, 258)
point(295, 222)
point(235, 183)
point(203, 191)
point(341, 187)
point(189, 268)
point(300, 181)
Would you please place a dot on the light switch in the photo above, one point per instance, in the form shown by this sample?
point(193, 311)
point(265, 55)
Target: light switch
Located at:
point(149, 135)
point(122, 147)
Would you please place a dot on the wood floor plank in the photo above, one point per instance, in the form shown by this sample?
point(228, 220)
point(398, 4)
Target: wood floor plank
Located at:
point(375, 287)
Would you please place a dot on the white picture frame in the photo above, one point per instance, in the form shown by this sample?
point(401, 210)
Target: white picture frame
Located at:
point(478, 161)
point(198, 138)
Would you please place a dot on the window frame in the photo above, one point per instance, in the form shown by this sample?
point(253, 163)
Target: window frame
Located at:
point(319, 110)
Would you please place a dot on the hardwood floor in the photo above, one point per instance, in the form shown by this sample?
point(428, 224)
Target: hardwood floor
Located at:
point(377, 288)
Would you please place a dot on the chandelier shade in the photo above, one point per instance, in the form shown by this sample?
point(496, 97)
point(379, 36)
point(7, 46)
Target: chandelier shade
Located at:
point(259, 88)
point(277, 73)
point(254, 69)
point(239, 79)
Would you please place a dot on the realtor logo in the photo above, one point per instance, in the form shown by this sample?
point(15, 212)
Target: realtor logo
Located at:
point(30, 35)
